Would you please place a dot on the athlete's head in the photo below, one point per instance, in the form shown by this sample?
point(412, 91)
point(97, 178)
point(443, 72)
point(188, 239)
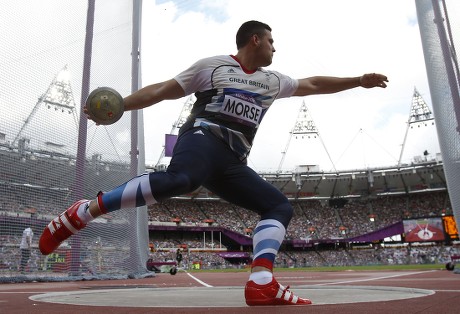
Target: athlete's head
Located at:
point(258, 37)
point(248, 29)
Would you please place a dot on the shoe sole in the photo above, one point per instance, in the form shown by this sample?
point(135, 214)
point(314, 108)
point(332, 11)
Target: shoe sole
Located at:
point(274, 302)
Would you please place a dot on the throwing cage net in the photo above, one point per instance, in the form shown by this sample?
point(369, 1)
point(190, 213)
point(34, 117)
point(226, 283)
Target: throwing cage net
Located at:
point(53, 54)
point(439, 24)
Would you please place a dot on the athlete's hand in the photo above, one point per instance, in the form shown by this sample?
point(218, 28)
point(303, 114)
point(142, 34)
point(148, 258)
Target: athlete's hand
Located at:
point(88, 116)
point(86, 112)
point(373, 80)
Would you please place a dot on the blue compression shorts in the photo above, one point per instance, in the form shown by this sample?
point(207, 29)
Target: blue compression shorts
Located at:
point(202, 159)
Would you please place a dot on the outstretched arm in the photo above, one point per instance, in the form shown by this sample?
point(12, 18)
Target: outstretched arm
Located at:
point(153, 94)
point(327, 84)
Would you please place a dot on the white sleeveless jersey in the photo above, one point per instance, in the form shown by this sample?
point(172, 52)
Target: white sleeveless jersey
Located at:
point(232, 102)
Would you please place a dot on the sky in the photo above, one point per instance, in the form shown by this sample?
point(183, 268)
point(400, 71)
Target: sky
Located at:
point(358, 128)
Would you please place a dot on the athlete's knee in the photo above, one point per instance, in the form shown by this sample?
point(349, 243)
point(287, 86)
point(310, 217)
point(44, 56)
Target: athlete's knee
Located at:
point(283, 213)
point(184, 182)
point(169, 184)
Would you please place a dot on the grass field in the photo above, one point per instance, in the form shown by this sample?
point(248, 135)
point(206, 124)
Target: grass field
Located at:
point(342, 268)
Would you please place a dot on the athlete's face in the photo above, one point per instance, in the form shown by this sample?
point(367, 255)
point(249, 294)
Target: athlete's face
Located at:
point(265, 48)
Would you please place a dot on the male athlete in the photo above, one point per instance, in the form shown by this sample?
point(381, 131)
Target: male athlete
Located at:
point(233, 94)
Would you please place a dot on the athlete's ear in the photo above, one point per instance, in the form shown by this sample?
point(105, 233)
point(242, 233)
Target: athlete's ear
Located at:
point(255, 40)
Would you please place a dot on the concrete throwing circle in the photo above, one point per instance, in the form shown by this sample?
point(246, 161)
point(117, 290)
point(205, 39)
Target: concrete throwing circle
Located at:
point(223, 296)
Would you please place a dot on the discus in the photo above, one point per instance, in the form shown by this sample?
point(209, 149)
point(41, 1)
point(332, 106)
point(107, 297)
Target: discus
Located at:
point(105, 105)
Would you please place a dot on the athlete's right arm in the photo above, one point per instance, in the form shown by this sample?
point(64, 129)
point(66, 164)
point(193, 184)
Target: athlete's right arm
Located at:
point(152, 94)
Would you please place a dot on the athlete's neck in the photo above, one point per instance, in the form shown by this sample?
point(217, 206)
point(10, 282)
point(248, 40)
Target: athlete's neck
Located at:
point(247, 68)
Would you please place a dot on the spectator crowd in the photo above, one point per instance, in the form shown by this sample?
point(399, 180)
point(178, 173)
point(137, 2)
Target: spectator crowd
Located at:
point(313, 219)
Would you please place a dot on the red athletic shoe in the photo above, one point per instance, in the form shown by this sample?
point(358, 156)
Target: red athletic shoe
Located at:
point(271, 294)
point(61, 228)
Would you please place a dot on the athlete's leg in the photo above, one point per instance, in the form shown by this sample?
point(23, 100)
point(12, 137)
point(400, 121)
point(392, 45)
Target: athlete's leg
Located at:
point(192, 163)
point(242, 186)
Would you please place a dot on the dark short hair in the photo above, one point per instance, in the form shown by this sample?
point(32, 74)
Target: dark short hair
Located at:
point(248, 29)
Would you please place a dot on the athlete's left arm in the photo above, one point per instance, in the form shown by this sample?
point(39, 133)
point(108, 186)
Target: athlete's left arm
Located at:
point(328, 84)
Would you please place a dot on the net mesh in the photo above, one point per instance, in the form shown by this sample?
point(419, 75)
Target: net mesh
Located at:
point(440, 32)
point(49, 159)
point(42, 168)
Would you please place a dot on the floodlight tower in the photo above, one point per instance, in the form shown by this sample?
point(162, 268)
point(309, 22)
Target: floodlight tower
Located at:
point(59, 95)
point(185, 112)
point(419, 112)
point(304, 125)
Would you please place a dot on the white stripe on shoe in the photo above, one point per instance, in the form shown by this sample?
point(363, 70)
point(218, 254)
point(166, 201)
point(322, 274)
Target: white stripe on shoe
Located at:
point(51, 225)
point(67, 223)
point(286, 294)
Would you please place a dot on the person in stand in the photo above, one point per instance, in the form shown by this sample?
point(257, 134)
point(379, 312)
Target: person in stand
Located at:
point(233, 94)
point(25, 246)
point(178, 257)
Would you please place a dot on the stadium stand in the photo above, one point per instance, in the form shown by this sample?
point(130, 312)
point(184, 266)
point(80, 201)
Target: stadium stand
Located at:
point(32, 195)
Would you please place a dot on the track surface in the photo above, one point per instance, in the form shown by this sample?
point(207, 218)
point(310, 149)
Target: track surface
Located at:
point(221, 293)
